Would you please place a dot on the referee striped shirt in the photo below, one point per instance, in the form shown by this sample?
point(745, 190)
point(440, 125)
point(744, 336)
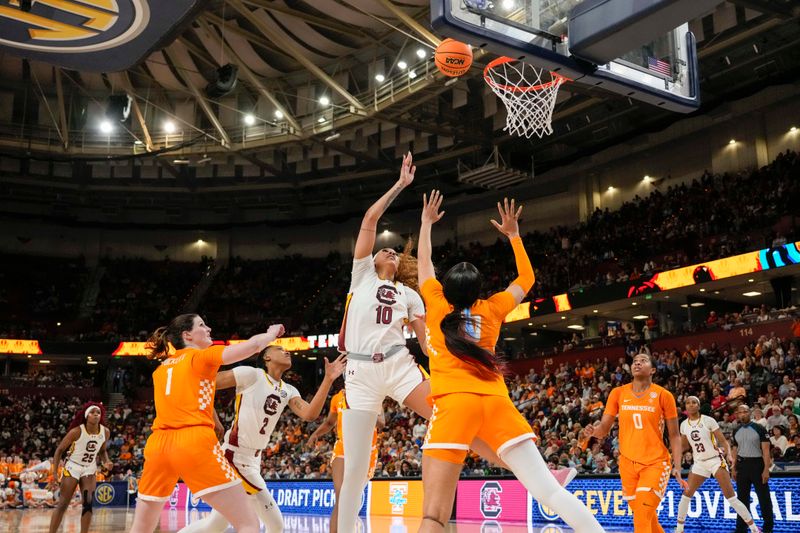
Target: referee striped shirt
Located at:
point(748, 439)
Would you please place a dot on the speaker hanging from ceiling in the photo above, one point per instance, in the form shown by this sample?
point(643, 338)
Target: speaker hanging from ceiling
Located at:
point(224, 81)
point(119, 107)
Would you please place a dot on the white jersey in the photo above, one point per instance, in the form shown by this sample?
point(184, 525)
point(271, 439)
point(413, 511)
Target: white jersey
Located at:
point(700, 434)
point(376, 311)
point(84, 450)
point(260, 400)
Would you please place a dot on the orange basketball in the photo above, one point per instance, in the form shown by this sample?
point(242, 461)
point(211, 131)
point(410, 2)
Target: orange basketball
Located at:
point(453, 58)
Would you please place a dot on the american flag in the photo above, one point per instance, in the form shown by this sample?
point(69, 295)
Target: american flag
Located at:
point(662, 67)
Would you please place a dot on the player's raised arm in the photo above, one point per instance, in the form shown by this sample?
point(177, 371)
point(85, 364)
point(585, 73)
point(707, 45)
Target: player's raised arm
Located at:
point(311, 410)
point(430, 216)
point(509, 226)
point(366, 235)
point(325, 427)
point(253, 345)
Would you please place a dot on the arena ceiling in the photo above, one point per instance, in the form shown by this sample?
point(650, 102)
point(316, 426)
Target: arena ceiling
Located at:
point(309, 132)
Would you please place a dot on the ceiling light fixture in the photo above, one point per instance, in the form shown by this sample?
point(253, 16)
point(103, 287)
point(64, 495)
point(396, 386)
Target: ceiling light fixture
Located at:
point(380, 78)
point(278, 114)
point(732, 142)
point(106, 126)
point(421, 53)
point(750, 294)
point(324, 100)
point(576, 326)
point(169, 126)
point(640, 317)
point(249, 119)
point(402, 64)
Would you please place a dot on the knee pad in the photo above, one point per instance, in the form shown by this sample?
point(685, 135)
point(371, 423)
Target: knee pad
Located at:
point(88, 501)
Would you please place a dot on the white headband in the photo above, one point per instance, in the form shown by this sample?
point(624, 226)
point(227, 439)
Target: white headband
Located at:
point(695, 398)
point(86, 413)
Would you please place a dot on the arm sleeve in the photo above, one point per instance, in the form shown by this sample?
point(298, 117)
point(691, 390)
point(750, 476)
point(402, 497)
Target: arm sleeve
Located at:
point(525, 276)
point(668, 405)
point(292, 392)
point(415, 305)
point(246, 377)
point(612, 404)
point(207, 362)
point(501, 304)
point(362, 270)
point(762, 433)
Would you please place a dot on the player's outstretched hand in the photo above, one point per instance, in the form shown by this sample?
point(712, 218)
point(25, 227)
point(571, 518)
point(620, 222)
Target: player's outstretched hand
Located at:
point(430, 207)
point(109, 466)
point(335, 368)
point(676, 473)
point(276, 331)
point(407, 170)
point(509, 218)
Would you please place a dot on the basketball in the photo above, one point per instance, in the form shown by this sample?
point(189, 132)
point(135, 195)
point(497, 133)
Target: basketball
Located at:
point(453, 58)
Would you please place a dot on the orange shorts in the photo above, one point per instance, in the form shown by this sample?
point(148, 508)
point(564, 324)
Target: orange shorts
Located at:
point(191, 454)
point(638, 477)
point(458, 418)
point(338, 453)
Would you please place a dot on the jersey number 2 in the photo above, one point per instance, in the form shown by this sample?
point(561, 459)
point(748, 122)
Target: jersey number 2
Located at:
point(637, 421)
point(270, 408)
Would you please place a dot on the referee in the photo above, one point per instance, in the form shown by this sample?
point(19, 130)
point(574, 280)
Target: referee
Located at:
point(751, 464)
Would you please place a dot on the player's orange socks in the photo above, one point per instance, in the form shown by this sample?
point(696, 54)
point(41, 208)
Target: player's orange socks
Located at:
point(645, 513)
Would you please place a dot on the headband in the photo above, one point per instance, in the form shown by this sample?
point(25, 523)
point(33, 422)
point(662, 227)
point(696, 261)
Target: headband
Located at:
point(86, 413)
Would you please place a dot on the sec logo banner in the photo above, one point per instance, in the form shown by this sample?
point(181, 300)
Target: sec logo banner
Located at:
point(104, 494)
point(93, 35)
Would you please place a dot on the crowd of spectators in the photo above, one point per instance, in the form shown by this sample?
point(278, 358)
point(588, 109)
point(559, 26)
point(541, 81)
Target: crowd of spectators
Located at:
point(47, 377)
point(558, 401)
point(751, 209)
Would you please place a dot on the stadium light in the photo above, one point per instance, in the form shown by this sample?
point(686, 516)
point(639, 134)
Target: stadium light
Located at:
point(732, 142)
point(324, 100)
point(44, 361)
point(169, 126)
point(380, 78)
point(321, 120)
point(610, 188)
point(750, 294)
point(278, 114)
point(402, 64)
point(640, 317)
point(249, 119)
point(508, 5)
point(793, 129)
point(412, 74)
point(106, 126)
point(421, 53)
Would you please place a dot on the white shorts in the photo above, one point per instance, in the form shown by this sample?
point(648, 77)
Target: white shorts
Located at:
point(367, 383)
point(77, 470)
point(708, 467)
point(248, 466)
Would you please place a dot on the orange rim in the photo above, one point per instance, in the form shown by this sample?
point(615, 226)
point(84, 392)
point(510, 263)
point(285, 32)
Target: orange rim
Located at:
point(558, 79)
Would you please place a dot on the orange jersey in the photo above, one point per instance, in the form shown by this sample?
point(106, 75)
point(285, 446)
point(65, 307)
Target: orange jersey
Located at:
point(184, 386)
point(641, 421)
point(448, 372)
point(339, 404)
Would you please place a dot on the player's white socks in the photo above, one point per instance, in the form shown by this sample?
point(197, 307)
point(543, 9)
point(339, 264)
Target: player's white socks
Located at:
point(357, 428)
point(738, 506)
point(266, 509)
point(683, 510)
point(741, 510)
point(213, 523)
point(530, 469)
point(268, 512)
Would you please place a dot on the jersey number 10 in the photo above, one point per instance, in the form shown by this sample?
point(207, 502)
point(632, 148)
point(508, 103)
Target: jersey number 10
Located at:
point(383, 314)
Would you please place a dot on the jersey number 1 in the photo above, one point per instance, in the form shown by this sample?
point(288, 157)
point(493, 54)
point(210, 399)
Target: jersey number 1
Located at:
point(169, 381)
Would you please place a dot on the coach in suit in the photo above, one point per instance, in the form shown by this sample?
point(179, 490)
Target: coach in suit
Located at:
point(751, 464)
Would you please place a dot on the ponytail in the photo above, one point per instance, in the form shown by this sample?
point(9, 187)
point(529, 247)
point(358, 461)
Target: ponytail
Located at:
point(407, 267)
point(455, 327)
point(159, 342)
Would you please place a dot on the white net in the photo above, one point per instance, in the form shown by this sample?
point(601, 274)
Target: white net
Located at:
point(529, 94)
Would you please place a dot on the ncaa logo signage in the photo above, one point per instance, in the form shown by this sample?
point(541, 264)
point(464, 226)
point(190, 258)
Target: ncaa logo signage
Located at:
point(104, 494)
point(491, 505)
point(93, 35)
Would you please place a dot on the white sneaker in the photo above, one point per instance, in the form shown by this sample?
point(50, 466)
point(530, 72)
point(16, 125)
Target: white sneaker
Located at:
point(754, 529)
point(564, 475)
point(678, 528)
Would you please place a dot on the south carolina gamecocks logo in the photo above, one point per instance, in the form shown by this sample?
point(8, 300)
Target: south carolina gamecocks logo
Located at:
point(491, 505)
point(387, 294)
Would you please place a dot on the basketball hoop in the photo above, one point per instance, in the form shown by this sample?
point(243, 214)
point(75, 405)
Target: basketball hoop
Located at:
point(529, 94)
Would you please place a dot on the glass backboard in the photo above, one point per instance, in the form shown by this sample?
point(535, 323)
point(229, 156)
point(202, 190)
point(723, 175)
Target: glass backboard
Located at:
point(662, 71)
